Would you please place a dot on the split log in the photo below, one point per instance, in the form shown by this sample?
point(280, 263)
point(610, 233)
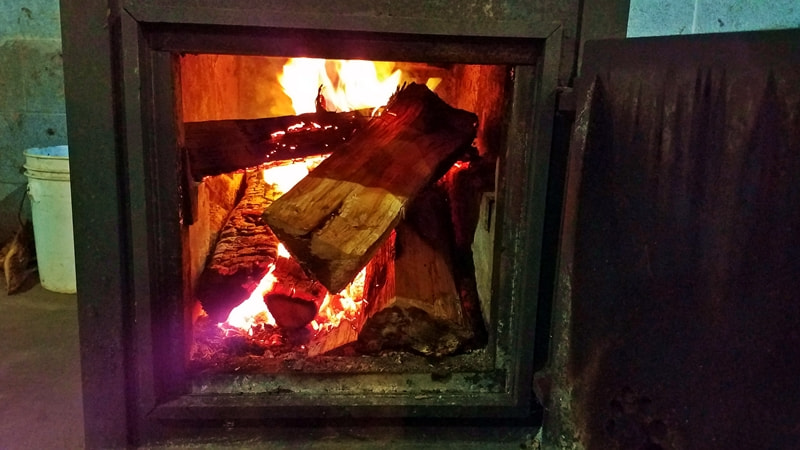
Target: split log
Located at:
point(244, 251)
point(424, 269)
point(416, 304)
point(222, 146)
point(336, 218)
point(483, 254)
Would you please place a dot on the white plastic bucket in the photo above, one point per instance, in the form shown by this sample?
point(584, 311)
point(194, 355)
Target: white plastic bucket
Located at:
point(47, 169)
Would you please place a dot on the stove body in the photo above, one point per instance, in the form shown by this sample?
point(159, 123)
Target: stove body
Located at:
point(128, 201)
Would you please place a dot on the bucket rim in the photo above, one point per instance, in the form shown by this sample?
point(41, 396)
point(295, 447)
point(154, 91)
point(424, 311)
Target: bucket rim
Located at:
point(63, 151)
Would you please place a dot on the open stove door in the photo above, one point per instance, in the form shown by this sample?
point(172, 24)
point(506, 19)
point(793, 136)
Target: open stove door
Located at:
point(679, 267)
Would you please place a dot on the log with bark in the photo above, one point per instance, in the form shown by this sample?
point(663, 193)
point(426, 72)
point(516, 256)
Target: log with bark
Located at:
point(242, 256)
point(473, 214)
point(223, 146)
point(244, 252)
point(336, 219)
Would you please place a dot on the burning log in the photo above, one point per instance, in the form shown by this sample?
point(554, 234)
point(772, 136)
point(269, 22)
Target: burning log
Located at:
point(222, 146)
point(336, 218)
point(245, 250)
point(412, 301)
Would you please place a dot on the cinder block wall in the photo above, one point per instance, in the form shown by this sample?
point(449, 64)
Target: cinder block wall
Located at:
point(31, 96)
point(671, 17)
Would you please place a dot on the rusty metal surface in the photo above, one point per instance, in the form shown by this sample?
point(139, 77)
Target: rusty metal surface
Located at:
point(680, 266)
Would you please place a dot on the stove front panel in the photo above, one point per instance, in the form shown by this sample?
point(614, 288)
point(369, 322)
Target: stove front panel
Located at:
point(133, 308)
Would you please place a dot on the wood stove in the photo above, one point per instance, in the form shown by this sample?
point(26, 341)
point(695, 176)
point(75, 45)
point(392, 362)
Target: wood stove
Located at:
point(135, 204)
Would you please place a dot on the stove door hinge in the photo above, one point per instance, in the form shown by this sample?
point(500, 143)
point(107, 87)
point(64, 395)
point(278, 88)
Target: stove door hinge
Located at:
point(565, 99)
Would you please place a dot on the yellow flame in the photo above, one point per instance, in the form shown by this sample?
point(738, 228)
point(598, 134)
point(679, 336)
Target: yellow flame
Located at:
point(347, 85)
point(346, 305)
point(284, 176)
point(433, 83)
point(254, 310)
point(282, 252)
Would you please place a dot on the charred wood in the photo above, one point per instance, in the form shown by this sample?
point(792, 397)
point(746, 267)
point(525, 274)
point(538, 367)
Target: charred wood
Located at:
point(470, 191)
point(293, 301)
point(222, 146)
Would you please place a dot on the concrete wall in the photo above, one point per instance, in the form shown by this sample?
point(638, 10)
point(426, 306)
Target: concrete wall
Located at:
point(31, 95)
point(661, 18)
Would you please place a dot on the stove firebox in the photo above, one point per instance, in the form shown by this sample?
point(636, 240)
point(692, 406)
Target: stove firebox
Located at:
point(134, 186)
point(429, 282)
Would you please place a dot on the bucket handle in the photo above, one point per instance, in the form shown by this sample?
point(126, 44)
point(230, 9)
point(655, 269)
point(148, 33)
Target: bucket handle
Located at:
point(31, 194)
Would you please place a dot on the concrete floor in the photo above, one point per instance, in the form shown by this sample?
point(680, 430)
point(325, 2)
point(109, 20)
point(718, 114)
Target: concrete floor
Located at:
point(40, 393)
point(40, 388)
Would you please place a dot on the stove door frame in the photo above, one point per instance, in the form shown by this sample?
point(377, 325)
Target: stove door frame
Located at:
point(131, 385)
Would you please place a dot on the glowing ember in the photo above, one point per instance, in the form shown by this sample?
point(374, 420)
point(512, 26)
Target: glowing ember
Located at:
point(297, 126)
point(346, 85)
